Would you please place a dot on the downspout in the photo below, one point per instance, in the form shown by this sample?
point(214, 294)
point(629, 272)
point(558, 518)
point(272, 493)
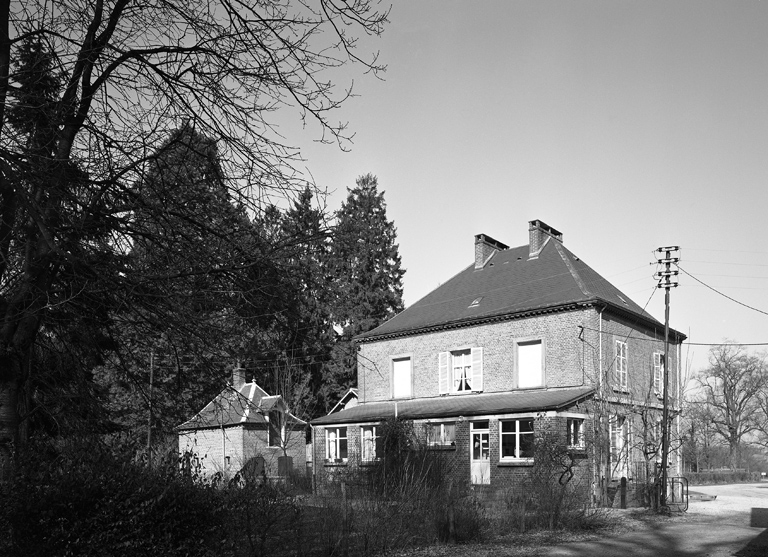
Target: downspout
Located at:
point(314, 461)
point(603, 418)
point(223, 449)
point(600, 349)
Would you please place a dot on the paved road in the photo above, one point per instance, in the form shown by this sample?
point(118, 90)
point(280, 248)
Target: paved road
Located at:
point(733, 525)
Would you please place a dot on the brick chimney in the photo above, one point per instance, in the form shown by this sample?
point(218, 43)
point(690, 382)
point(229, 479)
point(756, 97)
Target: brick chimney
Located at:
point(238, 377)
point(485, 247)
point(539, 232)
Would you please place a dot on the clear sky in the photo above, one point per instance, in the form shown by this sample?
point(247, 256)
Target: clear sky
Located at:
point(625, 125)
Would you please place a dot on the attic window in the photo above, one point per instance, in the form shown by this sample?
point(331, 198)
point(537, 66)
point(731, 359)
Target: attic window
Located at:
point(623, 300)
point(475, 302)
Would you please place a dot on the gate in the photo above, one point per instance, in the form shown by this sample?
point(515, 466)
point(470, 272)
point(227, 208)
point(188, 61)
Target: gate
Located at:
point(677, 494)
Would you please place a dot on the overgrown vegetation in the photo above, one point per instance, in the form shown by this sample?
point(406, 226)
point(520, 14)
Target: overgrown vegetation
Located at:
point(553, 496)
point(722, 477)
point(91, 496)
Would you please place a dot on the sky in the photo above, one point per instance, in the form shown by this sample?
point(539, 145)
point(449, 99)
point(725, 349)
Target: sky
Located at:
point(627, 126)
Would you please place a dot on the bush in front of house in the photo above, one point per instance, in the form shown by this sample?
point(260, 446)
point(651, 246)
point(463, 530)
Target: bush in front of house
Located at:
point(404, 499)
point(87, 497)
point(554, 496)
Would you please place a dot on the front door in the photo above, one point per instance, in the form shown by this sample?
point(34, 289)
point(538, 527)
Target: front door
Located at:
point(480, 453)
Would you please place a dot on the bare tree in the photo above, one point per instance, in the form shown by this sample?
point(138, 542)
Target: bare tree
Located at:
point(731, 389)
point(90, 90)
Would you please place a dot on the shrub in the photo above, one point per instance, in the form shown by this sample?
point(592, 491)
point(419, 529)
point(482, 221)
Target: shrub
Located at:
point(722, 477)
point(84, 497)
point(554, 497)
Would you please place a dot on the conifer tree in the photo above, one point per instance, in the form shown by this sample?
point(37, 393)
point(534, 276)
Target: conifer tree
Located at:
point(367, 278)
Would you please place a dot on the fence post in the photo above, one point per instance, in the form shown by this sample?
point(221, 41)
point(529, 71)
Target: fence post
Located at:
point(623, 493)
point(345, 526)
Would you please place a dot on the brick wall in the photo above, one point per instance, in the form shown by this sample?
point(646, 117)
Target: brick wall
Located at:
point(641, 345)
point(212, 447)
point(564, 354)
point(240, 444)
point(505, 478)
point(571, 343)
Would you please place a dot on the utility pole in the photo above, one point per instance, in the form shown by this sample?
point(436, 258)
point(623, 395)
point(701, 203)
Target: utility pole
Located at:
point(665, 282)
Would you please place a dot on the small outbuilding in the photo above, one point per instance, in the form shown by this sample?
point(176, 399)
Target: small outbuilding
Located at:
point(244, 430)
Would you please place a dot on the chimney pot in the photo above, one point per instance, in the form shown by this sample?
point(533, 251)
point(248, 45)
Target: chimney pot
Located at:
point(539, 232)
point(485, 247)
point(238, 377)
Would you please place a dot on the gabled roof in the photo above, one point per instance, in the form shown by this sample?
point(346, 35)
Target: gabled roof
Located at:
point(247, 405)
point(512, 284)
point(348, 400)
point(454, 406)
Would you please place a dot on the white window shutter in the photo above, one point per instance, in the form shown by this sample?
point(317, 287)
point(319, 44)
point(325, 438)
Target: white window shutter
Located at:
point(477, 369)
point(444, 379)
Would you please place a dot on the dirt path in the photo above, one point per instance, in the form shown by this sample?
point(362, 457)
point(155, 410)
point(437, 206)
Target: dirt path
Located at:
point(734, 524)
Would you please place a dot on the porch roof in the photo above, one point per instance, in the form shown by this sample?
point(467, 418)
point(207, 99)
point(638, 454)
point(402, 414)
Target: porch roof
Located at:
point(454, 406)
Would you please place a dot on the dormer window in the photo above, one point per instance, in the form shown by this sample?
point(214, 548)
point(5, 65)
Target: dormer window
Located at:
point(475, 302)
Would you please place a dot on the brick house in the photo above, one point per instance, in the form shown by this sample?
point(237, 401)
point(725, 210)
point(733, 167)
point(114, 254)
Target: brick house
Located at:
point(244, 429)
point(523, 342)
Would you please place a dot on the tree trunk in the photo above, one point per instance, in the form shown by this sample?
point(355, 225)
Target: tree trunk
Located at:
point(9, 422)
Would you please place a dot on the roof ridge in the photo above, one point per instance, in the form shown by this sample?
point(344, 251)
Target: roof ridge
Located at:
point(574, 273)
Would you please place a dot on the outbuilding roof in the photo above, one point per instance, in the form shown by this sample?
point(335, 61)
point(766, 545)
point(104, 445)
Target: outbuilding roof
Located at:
point(247, 404)
point(454, 406)
point(512, 283)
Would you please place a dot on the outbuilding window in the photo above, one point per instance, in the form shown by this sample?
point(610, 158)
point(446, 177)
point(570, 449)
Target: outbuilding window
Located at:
point(336, 444)
point(372, 449)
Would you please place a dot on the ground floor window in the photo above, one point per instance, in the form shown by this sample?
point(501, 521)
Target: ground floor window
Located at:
point(372, 449)
point(336, 444)
point(480, 456)
point(516, 439)
point(619, 446)
point(441, 435)
point(576, 432)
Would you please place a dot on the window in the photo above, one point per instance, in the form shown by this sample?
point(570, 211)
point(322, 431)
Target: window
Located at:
point(336, 444)
point(575, 432)
point(480, 456)
point(517, 439)
point(530, 364)
point(275, 432)
point(372, 449)
point(658, 373)
point(460, 371)
point(441, 435)
point(621, 365)
point(653, 439)
point(619, 445)
point(401, 377)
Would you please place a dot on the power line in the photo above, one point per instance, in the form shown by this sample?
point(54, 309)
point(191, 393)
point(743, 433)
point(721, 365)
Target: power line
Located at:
point(723, 295)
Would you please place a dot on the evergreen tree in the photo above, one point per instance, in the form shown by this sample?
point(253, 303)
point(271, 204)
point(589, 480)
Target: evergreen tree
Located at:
point(86, 92)
point(367, 278)
point(309, 336)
